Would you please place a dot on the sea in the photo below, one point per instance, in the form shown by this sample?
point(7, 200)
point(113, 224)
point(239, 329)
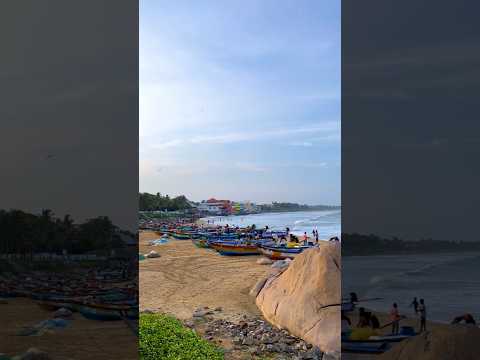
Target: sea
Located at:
point(449, 283)
point(327, 222)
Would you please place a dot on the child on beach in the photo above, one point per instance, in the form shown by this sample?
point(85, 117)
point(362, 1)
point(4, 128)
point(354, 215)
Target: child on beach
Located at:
point(395, 317)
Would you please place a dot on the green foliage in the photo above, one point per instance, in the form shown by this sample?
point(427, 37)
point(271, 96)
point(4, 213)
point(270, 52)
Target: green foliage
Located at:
point(285, 206)
point(150, 202)
point(25, 233)
point(164, 337)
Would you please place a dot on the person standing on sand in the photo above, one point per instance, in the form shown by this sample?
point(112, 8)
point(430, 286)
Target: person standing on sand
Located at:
point(305, 238)
point(316, 237)
point(395, 317)
point(422, 309)
point(415, 305)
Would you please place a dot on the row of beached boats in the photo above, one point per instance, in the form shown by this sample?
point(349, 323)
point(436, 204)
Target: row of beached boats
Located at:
point(239, 241)
point(94, 299)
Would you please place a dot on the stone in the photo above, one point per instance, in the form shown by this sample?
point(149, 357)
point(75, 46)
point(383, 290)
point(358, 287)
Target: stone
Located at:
point(248, 341)
point(152, 254)
point(264, 261)
point(302, 299)
point(280, 264)
point(201, 313)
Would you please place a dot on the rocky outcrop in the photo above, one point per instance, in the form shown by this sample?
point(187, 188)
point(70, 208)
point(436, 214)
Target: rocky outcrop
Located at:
point(440, 343)
point(305, 298)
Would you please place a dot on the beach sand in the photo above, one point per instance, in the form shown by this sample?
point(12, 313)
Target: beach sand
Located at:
point(186, 277)
point(82, 339)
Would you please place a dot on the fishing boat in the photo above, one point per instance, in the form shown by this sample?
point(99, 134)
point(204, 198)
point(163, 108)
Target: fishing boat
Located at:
point(201, 243)
point(281, 252)
point(367, 347)
point(235, 249)
point(181, 236)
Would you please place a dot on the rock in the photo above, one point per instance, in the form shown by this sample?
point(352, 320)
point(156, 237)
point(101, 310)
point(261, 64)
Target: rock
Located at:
point(152, 254)
point(218, 308)
point(280, 264)
point(189, 324)
point(33, 354)
point(331, 356)
point(248, 341)
point(62, 313)
point(148, 311)
point(201, 313)
point(313, 354)
point(264, 261)
point(298, 298)
point(439, 343)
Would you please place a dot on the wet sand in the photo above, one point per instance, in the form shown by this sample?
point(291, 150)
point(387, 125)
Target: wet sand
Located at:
point(186, 277)
point(82, 339)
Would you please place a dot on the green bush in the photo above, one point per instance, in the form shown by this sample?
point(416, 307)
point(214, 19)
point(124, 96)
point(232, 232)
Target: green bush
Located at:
point(164, 337)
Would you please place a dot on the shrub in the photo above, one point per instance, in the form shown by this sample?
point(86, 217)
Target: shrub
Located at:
point(164, 337)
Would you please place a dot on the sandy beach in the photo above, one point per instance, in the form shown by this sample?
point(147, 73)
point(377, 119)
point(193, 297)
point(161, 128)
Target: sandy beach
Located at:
point(186, 277)
point(82, 339)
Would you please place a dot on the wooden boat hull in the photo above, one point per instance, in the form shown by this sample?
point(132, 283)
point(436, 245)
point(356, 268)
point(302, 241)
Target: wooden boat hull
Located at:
point(200, 243)
point(277, 253)
point(235, 250)
point(181, 236)
point(365, 347)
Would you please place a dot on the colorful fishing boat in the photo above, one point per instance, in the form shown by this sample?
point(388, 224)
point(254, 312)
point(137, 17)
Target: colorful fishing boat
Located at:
point(235, 249)
point(181, 236)
point(201, 243)
point(281, 252)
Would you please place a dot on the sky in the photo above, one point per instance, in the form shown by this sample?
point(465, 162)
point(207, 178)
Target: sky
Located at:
point(68, 135)
point(240, 100)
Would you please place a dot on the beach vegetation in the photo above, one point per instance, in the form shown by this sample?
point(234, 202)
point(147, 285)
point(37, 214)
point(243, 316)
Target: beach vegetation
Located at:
point(164, 337)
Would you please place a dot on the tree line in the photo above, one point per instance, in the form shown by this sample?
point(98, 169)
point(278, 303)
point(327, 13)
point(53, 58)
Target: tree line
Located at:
point(151, 202)
point(26, 233)
point(358, 244)
point(286, 206)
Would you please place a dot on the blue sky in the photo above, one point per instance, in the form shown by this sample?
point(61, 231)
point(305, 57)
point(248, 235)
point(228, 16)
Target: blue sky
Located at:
point(241, 100)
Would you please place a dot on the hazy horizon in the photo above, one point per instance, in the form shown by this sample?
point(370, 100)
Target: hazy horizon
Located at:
point(240, 102)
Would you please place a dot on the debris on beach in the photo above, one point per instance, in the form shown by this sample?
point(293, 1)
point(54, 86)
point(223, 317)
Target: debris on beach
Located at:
point(264, 261)
point(201, 312)
point(63, 313)
point(307, 310)
point(259, 338)
point(152, 254)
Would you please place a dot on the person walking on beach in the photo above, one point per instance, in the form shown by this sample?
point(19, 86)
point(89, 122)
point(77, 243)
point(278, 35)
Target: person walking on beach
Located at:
point(415, 305)
point(395, 317)
point(422, 309)
point(305, 238)
point(316, 237)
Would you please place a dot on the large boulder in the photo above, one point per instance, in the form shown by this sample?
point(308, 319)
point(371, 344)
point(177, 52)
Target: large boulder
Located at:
point(305, 298)
point(442, 342)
